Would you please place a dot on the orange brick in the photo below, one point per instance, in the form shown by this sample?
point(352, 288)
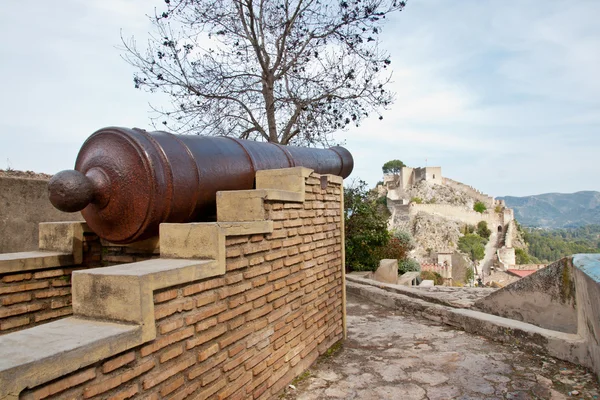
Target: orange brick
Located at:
point(257, 358)
point(203, 286)
point(235, 349)
point(172, 386)
point(211, 376)
point(61, 312)
point(226, 316)
point(118, 362)
point(230, 279)
point(170, 326)
point(60, 302)
point(115, 381)
point(256, 271)
point(237, 264)
point(186, 392)
point(64, 384)
point(278, 274)
point(170, 354)
point(204, 325)
point(13, 323)
point(256, 261)
point(239, 360)
point(165, 296)
point(208, 351)
point(165, 374)
point(259, 312)
point(277, 294)
point(24, 287)
point(48, 274)
point(256, 293)
point(275, 255)
point(235, 336)
point(207, 365)
point(125, 394)
point(16, 298)
point(293, 260)
point(166, 340)
point(172, 307)
point(16, 278)
point(52, 292)
point(205, 312)
point(19, 309)
point(234, 386)
point(212, 389)
point(252, 248)
point(206, 336)
point(235, 289)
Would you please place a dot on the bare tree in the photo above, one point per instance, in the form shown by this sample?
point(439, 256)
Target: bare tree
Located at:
point(284, 71)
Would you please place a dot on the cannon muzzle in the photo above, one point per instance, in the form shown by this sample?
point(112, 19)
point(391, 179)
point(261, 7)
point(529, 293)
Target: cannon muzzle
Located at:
point(128, 181)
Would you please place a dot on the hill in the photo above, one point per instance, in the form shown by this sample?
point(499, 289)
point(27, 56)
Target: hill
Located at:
point(556, 210)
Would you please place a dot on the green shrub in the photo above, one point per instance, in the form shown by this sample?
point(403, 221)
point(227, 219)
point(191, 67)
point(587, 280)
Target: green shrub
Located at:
point(416, 200)
point(366, 228)
point(521, 256)
point(434, 276)
point(469, 275)
point(408, 265)
point(483, 230)
point(472, 245)
point(479, 207)
point(467, 229)
point(498, 209)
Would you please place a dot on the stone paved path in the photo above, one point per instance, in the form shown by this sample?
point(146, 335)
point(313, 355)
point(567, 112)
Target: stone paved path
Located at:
point(391, 356)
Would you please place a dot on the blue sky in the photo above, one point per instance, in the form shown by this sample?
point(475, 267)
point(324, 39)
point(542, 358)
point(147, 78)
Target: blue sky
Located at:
point(504, 95)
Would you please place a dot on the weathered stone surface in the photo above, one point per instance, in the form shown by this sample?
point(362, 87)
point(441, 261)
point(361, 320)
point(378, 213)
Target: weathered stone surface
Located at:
point(427, 283)
point(389, 355)
point(387, 271)
point(407, 278)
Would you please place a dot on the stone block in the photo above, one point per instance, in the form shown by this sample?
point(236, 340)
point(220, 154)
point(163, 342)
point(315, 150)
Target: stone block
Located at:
point(426, 283)
point(387, 271)
point(407, 278)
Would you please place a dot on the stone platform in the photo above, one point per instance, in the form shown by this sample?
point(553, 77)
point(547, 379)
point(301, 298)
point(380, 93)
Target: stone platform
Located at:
point(389, 355)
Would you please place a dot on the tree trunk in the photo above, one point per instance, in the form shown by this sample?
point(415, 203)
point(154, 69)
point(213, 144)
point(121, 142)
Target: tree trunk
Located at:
point(268, 85)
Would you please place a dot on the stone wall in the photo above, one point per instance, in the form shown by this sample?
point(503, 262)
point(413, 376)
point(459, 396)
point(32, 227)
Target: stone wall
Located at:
point(455, 213)
point(23, 205)
point(489, 201)
point(246, 332)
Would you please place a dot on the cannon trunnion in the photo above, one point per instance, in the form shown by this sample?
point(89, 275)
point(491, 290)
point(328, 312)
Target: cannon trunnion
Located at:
point(128, 181)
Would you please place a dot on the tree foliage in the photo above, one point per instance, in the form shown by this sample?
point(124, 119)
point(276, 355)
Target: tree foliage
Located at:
point(551, 245)
point(479, 207)
point(408, 265)
point(284, 71)
point(393, 167)
point(483, 230)
point(473, 245)
point(365, 228)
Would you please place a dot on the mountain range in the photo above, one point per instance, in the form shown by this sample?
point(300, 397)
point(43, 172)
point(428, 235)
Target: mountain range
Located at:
point(556, 210)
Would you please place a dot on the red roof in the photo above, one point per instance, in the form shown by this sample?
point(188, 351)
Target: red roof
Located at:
point(521, 272)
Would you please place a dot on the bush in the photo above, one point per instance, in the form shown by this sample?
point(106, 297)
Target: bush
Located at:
point(467, 229)
point(521, 256)
point(366, 228)
point(473, 245)
point(398, 246)
point(483, 230)
point(469, 275)
point(416, 200)
point(434, 276)
point(479, 207)
point(408, 265)
point(498, 209)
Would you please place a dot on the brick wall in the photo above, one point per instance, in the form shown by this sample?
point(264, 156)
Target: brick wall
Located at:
point(35, 297)
point(242, 335)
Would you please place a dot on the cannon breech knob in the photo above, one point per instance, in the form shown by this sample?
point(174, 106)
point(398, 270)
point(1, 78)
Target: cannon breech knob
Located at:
point(72, 191)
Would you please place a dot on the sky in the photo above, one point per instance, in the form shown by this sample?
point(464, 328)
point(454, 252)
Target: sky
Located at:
point(503, 95)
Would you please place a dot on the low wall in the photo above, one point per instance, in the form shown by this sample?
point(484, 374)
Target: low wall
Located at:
point(23, 205)
point(234, 309)
point(455, 213)
point(471, 191)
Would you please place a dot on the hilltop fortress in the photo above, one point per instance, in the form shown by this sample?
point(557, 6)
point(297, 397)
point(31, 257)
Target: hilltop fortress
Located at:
point(434, 209)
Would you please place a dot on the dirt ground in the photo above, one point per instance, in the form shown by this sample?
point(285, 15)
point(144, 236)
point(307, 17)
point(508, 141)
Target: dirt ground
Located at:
point(392, 356)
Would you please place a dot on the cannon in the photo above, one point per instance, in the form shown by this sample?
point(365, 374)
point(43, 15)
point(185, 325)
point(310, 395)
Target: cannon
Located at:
point(127, 182)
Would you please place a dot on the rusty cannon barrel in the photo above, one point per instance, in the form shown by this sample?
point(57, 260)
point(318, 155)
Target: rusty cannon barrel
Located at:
point(128, 181)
